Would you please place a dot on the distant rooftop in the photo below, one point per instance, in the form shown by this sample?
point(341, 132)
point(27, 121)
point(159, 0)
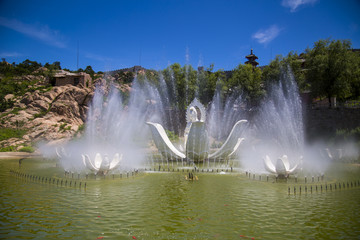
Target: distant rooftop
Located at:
point(252, 59)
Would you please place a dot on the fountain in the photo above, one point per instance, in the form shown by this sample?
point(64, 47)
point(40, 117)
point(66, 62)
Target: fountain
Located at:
point(176, 205)
point(278, 132)
point(100, 164)
point(281, 168)
point(196, 141)
point(112, 139)
point(115, 137)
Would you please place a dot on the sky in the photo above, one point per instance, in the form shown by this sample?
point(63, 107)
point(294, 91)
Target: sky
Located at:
point(110, 35)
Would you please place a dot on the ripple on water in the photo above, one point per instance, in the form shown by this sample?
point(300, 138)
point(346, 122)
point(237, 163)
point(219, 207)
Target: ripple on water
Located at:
point(166, 206)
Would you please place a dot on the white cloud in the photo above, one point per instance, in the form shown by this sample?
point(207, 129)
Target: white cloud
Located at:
point(9, 54)
point(37, 31)
point(294, 4)
point(267, 35)
point(98, 57)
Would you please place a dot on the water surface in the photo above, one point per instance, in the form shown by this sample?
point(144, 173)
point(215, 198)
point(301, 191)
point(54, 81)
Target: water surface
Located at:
point(165, 205)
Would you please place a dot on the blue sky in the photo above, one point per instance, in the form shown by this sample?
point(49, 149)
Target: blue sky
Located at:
point(118, 34)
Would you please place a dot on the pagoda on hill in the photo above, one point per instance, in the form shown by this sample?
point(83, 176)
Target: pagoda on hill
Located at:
point(251, 59)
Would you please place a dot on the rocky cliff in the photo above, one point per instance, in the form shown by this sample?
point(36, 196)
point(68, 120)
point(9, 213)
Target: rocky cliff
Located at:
point(47, 115)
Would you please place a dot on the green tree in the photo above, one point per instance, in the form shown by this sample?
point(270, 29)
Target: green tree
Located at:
point(90, 71)
point(207, 83)
point(272, 72)
point(355, 83)
point(296, 62)
point(247, 80)
point(331, 69)
point(53, 66)
point(27, 67)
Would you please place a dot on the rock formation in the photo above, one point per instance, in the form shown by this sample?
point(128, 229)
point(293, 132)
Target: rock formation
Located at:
point(52, 115)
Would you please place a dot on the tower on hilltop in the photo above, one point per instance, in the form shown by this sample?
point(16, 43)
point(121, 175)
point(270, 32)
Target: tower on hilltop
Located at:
point(251, 59)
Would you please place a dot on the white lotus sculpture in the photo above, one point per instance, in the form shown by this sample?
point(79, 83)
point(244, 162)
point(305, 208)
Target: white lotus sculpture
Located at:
point(61, 152)
point(196, 140)
point(65, 159)
point(333, 154)
point(281, 168)
point(100, 164)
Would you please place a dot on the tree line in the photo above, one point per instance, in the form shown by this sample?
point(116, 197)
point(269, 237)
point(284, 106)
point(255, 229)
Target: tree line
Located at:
point(331, 68)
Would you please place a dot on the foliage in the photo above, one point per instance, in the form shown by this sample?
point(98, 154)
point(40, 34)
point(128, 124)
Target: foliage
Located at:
point(7, 133)
point(272, 72)
point(41, 114)
point(208, 81)
point(247, 80)
point(54, 66)
point(178, 81)
point(348, 134)
point(90, 71)
point(5, 104)
point(24, 68)
point(8, 149)
point(333, 69)
point(63, 128)
point(185, 83)
point(12, 83)
point(81, 128)
point(28, 149)
point(172, 136)
point(124, 77)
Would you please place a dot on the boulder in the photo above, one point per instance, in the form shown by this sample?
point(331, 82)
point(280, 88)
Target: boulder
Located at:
point(40, 104)
point(9, 97)
point(27, 99)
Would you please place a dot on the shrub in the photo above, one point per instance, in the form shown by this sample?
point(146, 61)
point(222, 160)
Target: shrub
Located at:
point(62, 127)
point(8, 149)
point(28, 149)
point(348, 134)
point(41, 114)
point(81, 128)
point(172, 136)
point(6, 133)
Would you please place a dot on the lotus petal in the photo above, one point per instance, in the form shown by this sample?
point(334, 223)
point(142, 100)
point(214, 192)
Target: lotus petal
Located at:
point(232, 142)
point(240, 140)
point(116, 160)
point(163, 142)
point(88, 163)
point(285, 161)
point(105, 164)
point(293, 169)
point(269, 166)
point(58, 152)
point(280, 167)
point(98, 161)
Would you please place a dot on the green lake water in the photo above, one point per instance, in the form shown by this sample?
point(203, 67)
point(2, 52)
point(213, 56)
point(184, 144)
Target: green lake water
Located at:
point(164, 205)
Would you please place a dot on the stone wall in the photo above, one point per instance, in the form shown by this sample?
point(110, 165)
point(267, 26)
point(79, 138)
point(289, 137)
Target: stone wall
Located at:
point(63, 78)
point(324, 122)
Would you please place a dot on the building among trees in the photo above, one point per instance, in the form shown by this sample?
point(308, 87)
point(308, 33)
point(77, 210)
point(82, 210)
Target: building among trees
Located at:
point(62, 77)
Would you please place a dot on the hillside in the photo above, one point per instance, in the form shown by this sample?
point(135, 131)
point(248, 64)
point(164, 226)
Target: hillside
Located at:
point(45, 115)
point(33, 110)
